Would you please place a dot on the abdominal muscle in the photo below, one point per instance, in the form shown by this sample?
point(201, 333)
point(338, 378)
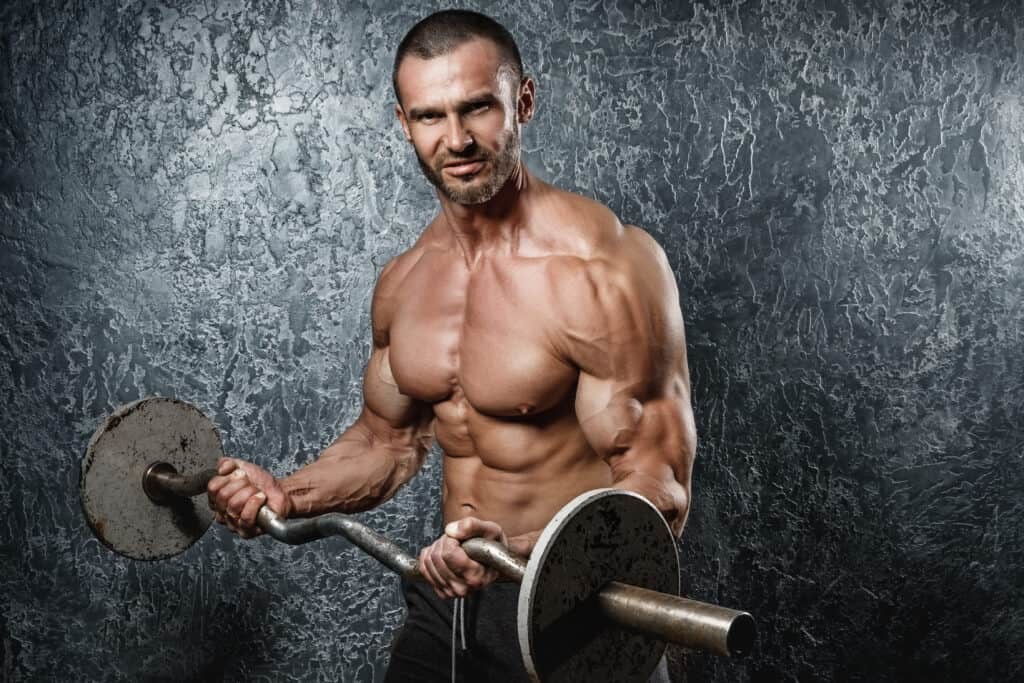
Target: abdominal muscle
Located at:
point(517, 472)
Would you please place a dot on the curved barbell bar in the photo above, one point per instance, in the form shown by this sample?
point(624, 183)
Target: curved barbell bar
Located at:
point(670, 618)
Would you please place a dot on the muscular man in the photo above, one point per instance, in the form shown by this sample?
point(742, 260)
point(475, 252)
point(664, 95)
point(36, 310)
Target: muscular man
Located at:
point(538, 339)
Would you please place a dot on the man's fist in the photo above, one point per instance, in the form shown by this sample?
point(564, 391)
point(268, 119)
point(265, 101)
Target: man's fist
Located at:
point(238, 492)
point(447, 567)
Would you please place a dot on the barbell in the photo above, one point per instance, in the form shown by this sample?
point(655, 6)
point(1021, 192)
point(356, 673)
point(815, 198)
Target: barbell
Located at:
point(603, 576)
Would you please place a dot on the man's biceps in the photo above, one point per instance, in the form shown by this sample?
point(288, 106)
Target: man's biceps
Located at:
point(593, 393)
point(378, 368)
point(383, 399)
point(609, 421)
point(657, 425)
point(399, 421)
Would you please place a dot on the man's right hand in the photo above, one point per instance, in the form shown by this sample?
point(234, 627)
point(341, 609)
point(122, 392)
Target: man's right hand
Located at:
point(238, 492)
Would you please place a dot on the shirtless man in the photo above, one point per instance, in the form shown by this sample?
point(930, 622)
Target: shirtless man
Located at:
point(534, 336)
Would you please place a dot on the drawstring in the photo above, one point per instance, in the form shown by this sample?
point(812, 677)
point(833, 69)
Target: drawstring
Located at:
point(462, 622)
point(458, 626)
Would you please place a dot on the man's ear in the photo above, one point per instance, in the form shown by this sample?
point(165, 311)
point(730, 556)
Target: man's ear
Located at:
point(400, 113)
point(525, 105)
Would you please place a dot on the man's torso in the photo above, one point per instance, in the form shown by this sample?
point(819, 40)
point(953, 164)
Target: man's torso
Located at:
point(485, 345)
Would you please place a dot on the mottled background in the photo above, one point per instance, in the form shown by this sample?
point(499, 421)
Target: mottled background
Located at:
point(196, 197)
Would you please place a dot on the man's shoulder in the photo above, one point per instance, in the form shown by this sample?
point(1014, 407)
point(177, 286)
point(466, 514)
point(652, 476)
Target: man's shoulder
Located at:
point(591, 231)
point(621, 283)
point(395, 270)
point(590, 237)
point(611, 267)
point(577, 225)
point(399, 266)
point(387, 292)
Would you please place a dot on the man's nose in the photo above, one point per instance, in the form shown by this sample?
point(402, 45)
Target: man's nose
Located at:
point(459, 138)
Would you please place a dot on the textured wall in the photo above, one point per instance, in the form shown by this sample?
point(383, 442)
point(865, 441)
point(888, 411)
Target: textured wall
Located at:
point(195, 199)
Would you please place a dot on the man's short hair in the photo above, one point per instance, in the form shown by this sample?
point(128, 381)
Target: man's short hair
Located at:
point(442, 32)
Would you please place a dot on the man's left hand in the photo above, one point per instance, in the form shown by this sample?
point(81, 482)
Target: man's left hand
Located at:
point(447, 567)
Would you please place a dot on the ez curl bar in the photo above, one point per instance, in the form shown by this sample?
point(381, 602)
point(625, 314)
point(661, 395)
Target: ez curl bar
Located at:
point(603, 577)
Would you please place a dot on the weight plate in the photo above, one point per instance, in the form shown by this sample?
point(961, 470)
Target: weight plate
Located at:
point(600, 536)
point(131, 439)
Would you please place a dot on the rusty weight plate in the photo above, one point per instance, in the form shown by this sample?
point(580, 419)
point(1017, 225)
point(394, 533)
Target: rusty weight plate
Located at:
point(600, 536)
point(131, 439)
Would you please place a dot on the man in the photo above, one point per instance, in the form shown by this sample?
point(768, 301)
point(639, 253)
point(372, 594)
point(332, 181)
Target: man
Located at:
point(535, 337)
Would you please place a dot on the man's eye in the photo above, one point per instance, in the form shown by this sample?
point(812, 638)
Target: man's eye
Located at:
point(478, 108)
point(428, 118)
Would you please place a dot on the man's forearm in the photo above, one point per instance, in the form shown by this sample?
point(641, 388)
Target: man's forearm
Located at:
point(357, 472)
point(668, 495)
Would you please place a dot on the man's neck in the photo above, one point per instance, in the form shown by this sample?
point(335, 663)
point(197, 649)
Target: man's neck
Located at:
point(493, 225)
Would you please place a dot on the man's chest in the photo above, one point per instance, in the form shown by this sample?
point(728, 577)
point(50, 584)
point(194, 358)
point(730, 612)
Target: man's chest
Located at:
point(491, 334)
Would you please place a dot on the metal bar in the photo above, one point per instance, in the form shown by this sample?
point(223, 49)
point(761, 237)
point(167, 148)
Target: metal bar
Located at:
point(161, 482)
point(692, 624)
point(668, 617)
point(336, 524)
point(495, 556)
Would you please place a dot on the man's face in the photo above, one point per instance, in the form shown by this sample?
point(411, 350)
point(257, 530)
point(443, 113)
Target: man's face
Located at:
point(459, 110)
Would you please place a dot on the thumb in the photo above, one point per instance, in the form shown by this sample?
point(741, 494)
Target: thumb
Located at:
point(471, 527)
point(278, 501)
point(460, 529)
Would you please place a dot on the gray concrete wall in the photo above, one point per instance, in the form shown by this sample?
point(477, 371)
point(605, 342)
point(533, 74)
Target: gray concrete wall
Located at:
point(196, 198)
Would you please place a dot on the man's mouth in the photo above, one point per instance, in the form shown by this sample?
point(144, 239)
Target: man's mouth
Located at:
point(464, 168)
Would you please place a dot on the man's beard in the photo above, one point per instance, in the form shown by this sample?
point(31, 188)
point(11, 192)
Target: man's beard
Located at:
point(501, 165)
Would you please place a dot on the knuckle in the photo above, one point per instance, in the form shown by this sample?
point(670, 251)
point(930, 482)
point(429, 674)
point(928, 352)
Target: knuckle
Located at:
point(453, 558)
